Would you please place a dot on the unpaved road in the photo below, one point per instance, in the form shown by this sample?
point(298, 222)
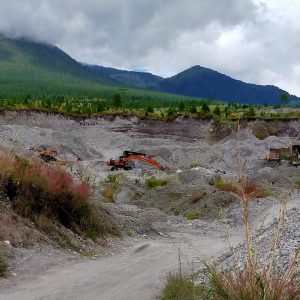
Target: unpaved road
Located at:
point(135, 274)
point(138, 273)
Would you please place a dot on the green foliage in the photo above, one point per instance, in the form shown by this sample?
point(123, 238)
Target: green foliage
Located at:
point(284, 98)
point(175, 210)
point(217, 111)
point(180, 287)
point(150, 109)
point(194, 214)
point(193, 109)
point(116, 100)
point(250, 113)
point(194, 165)
point(205, 108)
point(181, 106)
point(153, 182)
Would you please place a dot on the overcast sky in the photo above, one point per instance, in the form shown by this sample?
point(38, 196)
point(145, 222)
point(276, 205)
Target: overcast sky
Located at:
point(256, 41)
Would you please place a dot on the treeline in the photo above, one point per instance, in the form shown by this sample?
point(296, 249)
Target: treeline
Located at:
point(147, 105)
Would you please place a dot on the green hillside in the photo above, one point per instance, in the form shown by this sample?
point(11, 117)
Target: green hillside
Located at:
point(44, 71)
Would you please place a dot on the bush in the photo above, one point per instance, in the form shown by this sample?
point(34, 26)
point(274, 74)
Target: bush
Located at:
point(155, 182)
point(34, 188)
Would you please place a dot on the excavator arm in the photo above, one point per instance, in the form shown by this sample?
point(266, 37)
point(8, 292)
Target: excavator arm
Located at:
point(145, 159)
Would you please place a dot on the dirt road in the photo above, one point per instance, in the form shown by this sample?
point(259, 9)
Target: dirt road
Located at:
point(137, 273)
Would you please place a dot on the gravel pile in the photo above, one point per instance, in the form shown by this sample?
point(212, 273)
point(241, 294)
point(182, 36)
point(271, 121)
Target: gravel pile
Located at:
point(289, 240)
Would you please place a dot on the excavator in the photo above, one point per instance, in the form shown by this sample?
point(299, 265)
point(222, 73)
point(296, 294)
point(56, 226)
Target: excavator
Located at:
point(126, 161)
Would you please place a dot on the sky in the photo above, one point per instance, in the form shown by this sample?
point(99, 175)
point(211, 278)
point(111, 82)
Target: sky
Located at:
point(257, 41)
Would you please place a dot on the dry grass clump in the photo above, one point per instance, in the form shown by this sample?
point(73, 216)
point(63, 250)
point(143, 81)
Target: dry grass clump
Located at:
point(251, 189)
point(37, 189)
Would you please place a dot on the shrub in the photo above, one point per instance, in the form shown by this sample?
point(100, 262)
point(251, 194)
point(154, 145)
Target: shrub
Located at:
point(35, 188)
point(155, 182)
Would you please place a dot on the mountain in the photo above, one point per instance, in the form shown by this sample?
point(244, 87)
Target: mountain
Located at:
point(30, 67)
point(38, 69)
point(201, 82)
point(131, 78)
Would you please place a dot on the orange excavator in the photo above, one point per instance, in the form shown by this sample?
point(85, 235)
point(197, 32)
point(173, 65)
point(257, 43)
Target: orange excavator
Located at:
point(126, 161)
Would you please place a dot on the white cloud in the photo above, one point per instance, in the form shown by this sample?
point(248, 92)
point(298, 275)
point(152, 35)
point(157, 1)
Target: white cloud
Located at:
point(253, 40)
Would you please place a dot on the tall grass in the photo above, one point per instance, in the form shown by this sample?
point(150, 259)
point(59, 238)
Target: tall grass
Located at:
point(258, 280)
point(35, 188)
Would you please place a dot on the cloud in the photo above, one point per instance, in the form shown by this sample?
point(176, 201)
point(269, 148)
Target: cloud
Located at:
point(253, 40)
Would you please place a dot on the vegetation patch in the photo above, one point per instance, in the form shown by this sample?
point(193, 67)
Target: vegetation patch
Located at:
point(3, 264)
point(154, 182)
point(194, 214)
point(251, 189)
point(195, 165)
point(179, 287)
point(40, 192)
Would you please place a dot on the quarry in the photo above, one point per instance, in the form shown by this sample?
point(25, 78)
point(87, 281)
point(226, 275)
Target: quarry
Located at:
point(181, 210)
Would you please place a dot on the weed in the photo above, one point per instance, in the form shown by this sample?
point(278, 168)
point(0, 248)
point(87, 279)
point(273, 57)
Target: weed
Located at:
point(155, 182)
point(194, 214)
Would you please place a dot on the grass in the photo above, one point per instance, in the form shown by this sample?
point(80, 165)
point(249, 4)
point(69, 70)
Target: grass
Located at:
point(252, 189)
point(195, 165)
point(194, 214)
point(256, 281)
point(180, 287)
point(40, 192)
point(154, 182)
point(3, 264)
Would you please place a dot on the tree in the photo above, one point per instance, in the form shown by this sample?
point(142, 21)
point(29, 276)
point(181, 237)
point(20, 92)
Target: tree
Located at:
point(181, 106)
point(150, 109)
point(217, 111)
point(193, 109)
point(284, 98)
point(116, 100)
point(205, 108)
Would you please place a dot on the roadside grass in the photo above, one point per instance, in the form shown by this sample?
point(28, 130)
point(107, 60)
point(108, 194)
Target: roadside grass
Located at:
point(257, 280)
point(41, 192)
point(180, 287)
point(154, 182)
